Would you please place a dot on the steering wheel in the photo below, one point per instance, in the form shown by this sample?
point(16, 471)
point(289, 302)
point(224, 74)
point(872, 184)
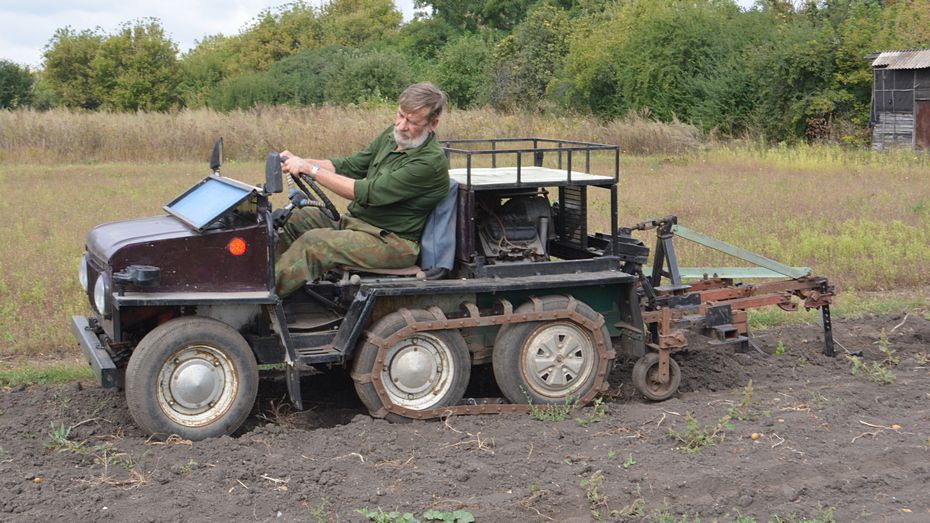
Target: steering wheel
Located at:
point(317, 198)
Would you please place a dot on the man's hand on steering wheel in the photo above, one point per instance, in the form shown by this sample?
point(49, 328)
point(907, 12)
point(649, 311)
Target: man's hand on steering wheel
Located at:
point(299, 169)
point(293, 164)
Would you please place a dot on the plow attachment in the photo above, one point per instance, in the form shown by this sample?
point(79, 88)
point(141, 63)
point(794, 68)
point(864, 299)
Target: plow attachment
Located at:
point(714, 304)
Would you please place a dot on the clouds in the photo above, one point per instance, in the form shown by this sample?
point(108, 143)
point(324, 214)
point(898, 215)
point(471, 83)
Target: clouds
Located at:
point(27, 26)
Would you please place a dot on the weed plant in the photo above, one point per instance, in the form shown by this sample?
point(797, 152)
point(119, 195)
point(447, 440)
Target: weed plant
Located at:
point(877, 371)
point(696, 436)
point(379, 516)
point(553, 413)
point(779, 349)
point(597, 414)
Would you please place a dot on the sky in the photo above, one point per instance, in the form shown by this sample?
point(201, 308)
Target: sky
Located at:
point(27, 25)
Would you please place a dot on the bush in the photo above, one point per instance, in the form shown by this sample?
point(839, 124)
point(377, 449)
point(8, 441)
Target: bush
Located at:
point(462, 70)
point(15, 85)
point(374, 76)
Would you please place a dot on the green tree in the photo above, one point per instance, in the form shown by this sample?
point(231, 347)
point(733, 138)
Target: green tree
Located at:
point(299, 79)
point(67, 67)
point(202, 69)
point(527, 60)
point(425, 37)
point(472, 15)
point(357, 23)
point(137, 68)
point(462, 70)
point(273, 35)
point(377, 76)
point(859, 33)
point(907, 22)
point(795, 72)
point(15, 85)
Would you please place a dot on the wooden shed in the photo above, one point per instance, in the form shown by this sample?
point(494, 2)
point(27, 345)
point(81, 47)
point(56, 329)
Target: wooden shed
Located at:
point(901, 99)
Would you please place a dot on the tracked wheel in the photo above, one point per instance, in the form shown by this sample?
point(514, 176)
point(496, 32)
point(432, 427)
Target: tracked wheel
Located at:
point(646, 377)
point(550, 362)
point(421, 371)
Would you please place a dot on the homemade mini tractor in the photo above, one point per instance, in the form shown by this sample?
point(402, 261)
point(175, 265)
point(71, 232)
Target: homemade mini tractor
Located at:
point(511, 286)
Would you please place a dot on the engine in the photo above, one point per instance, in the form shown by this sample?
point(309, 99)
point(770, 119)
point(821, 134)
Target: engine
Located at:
point(514, 227)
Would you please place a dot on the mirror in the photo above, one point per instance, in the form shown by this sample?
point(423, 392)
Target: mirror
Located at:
point(273, 178)
point(216, 157)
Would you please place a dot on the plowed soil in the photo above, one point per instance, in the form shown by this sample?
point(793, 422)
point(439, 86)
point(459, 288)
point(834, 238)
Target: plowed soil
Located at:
point(825, 441)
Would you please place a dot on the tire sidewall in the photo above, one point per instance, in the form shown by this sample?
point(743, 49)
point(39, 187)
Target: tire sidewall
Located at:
point(154, 351)
point(641, 373)
point(511, 342)
point(367, 355)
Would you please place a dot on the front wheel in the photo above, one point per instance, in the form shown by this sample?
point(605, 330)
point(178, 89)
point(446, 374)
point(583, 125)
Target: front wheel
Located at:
point(193, 377)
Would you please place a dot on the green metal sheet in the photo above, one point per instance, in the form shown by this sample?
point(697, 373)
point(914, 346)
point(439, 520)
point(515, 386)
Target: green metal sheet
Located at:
point(743, 254)
point(734, 272)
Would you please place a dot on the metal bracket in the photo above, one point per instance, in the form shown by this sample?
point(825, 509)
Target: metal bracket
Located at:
point(279, 321)
point(737, 252)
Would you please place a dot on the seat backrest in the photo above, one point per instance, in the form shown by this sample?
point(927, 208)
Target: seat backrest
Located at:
point(437, 243)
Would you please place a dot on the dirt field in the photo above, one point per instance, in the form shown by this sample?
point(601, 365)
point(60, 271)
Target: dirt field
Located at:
point(826, 442)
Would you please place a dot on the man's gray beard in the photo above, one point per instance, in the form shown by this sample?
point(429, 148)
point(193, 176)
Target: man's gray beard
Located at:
point(409, 144)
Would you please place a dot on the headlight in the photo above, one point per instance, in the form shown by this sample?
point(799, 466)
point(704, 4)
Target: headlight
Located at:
point(82, 272)
point(102, 293)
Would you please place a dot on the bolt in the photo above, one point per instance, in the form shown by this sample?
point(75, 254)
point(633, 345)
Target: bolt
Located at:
point(216, 363)
point(177, 361)
point(212, 403)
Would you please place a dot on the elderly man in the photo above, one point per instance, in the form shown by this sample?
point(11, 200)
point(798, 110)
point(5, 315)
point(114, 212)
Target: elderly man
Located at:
point(393, 184)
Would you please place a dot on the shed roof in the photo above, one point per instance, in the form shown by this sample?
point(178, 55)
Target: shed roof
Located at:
point(909, 59)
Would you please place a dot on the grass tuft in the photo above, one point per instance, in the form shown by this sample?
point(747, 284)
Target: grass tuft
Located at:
point(45, 375)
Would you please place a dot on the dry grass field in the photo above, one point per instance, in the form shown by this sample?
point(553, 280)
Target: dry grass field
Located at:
point(862, 219)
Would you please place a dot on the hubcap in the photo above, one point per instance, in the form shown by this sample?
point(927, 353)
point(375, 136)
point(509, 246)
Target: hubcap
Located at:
point(197, 385)
point(558, 359)
point(418, 372)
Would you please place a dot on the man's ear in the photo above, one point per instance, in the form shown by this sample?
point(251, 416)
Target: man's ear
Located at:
point(434, 124)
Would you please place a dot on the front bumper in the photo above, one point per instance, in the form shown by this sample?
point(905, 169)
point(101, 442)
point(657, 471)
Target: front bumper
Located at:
point(99, 359)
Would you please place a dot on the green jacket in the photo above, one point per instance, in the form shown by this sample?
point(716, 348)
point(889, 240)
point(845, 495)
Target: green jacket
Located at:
point(396, 191)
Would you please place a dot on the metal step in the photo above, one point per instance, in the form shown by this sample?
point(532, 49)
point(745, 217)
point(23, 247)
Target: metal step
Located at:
point(724, 332)
point(671, 290)
point(318, 354)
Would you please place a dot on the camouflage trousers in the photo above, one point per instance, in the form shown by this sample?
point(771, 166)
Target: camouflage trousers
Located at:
point(312, 244)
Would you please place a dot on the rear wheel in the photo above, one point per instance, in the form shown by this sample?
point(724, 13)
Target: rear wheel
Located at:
point(421, 371)
point(194, 377)
point(646, 377)
point(548, 362)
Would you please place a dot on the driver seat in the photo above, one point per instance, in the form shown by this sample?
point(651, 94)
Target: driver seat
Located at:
point(437, 244)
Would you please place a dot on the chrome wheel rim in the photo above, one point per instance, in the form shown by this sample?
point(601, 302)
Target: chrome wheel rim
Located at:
point(558, 359)
point(418, 371)
point(197, 385)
